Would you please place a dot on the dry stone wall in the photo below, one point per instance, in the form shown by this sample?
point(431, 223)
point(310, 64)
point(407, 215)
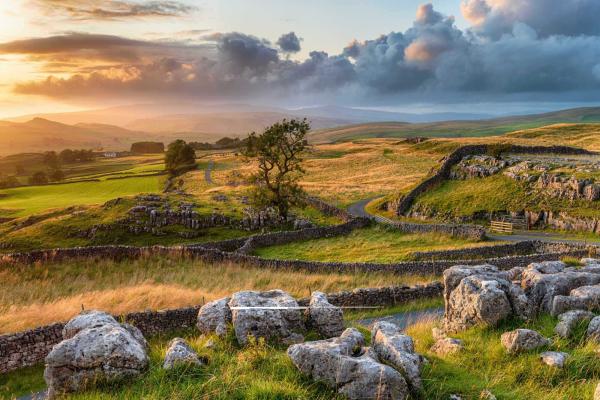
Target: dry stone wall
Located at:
point(27, 348)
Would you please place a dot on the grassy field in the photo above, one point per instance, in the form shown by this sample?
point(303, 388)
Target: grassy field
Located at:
point(29, 200)
point(375, 244)
point(40, 294)
point(262, 371)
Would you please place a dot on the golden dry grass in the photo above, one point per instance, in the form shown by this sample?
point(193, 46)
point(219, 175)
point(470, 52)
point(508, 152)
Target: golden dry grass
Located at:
point(41, 294)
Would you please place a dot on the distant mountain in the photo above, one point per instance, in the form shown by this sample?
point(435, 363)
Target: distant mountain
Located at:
point(486, 127)
point(359, 115)
point(40, 134)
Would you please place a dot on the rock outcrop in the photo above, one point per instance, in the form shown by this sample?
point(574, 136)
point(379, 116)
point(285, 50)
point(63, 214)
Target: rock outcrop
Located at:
point(521, 340)
point(214, 317)
point(445, 346)
point(272, 315)
point(398, 350)
point(569, 320)
point(477, 295)
point(180, 353)
point(581, 298)
point(324, 317)
point(346, 366)
point(96, 349)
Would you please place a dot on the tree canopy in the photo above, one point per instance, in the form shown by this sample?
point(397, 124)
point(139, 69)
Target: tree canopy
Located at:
point(180, 155)
point(278, 151)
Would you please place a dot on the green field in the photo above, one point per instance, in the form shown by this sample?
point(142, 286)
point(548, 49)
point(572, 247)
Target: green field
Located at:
point(375, 244)
point(28, 200)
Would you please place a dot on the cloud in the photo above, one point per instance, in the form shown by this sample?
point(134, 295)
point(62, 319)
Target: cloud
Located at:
point(289, 43)
point(113, 9)
point(432, 60)
point(493, 18)
point(88, 47)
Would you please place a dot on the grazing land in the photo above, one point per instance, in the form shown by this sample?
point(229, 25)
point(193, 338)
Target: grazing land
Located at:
point(377, 244)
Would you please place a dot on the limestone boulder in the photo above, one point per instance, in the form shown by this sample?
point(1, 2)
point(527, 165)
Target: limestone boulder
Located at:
point(597, 393)
point(324, 317)
point(581, 298)
point(569, 320)
point(345, 365)
point(477, 301)
point(179, 352)
point(593, 330)
point(446, 346)
point(398, 350)
point(554, 358)
point(94, 355)
point(272, 315)
point(542, 282)
point(85, 320)
point(521, 340)
point(214, 317)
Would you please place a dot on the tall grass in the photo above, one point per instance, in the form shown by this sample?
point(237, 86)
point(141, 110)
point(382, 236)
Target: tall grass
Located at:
point(40, 294)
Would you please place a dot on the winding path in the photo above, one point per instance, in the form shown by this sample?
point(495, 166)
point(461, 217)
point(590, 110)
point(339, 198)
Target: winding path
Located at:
point(207, 171)
point(359, 209)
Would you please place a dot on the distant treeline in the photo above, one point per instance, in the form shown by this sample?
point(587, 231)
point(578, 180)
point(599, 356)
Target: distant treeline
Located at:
point(221, 144)
point(148, 147)
point(67, 156)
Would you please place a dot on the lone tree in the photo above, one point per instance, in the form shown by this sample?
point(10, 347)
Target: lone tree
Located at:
point(278, 151)
point(180, 156)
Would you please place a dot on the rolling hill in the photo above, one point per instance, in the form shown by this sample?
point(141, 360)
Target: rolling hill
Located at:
point(41, 134)
point(475, 128)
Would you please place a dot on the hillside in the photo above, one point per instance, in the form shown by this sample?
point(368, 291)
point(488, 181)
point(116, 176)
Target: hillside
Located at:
point(41, 134)
point(464, 128)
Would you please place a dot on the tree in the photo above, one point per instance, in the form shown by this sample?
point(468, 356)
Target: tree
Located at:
point(56, 175)
point(39, 178)
point(51, 160)
point(8, 182)
point(148, 148)
point(180, 155)
point(278, 151)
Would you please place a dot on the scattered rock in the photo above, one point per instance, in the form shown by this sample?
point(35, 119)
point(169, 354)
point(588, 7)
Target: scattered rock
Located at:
point(554, 358)
point(438, 334)
point(326, 318)
point(180, 353)
point(397, 350)
point(569, 320)
point(446, 346)
point(214, 317)
point(210, 344)
point(521, 340)
point(272, 315)
point(343, 364)
point(597, 393)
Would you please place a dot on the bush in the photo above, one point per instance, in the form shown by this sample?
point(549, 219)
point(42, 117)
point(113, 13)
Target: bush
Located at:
point(39, 178)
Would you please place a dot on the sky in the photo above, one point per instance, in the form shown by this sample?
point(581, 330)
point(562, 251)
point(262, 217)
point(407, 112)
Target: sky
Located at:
point(488, 55)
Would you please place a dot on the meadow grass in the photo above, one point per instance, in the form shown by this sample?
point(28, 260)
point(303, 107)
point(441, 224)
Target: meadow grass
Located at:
point(485, 364)
point(30, 200)
point(374, 244)
point(464, 198)
point(32, 295)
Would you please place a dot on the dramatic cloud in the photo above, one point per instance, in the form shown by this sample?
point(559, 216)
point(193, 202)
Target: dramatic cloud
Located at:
point(289, 43)
point(547, 17)
point(432, 60)
point(83, 46)
point(112, 9)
